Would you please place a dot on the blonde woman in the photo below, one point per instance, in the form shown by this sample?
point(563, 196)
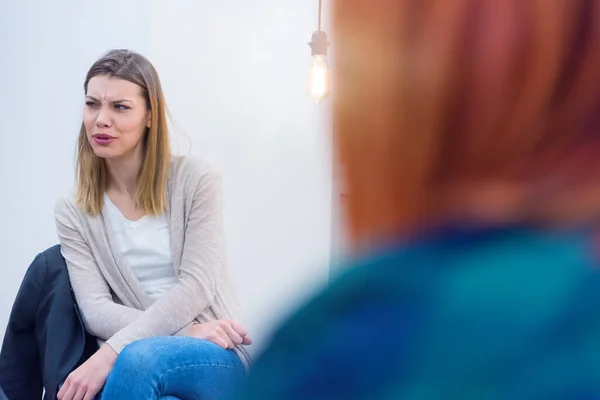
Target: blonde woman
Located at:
point(143, 242)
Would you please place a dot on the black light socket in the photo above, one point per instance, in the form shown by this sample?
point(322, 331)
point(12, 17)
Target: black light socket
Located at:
point(319, 43)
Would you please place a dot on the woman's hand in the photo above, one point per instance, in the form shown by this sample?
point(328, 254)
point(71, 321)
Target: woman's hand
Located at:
point(224, 332)
point(87, 380)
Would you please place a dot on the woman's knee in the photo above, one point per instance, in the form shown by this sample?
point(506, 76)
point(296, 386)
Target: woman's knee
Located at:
point(160, 353)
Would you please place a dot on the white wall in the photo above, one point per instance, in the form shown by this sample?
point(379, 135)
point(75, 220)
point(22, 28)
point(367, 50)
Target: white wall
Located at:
point(234, 76)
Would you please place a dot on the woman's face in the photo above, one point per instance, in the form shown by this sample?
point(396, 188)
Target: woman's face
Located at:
point(115, 117)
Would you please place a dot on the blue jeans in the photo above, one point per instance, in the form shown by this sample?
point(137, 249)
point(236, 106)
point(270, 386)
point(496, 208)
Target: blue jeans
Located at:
point(173, 368)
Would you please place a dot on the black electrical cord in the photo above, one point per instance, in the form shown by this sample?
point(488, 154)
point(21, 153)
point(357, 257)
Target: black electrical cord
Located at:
point(320, 1)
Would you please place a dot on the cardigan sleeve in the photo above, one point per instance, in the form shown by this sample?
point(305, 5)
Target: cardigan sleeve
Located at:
point(202, 263)
point(101, 315)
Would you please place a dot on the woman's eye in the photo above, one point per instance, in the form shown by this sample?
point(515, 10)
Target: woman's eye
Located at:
point(91, 103)
point(121, 107)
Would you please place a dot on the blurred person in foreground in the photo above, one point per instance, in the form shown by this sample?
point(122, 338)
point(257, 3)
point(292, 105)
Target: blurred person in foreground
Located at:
point(469, 132)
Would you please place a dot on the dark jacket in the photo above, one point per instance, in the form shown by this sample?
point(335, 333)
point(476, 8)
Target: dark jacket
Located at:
point(45, 338)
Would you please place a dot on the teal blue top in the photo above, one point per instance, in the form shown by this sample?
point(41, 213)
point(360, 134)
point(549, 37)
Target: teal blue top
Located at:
point(510, 313)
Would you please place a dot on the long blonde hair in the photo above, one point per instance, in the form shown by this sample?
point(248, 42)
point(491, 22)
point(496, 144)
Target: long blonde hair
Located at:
point(151, 190)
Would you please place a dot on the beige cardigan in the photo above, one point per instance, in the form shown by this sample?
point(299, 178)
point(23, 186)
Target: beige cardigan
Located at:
point(113, 304)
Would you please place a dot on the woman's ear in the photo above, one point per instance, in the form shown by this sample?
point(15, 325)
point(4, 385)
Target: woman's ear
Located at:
point(149, 122)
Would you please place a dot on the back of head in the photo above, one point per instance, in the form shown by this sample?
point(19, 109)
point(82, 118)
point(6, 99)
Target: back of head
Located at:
point(449, 109)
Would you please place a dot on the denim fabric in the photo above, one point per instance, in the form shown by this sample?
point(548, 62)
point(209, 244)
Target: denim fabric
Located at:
point(171, 368)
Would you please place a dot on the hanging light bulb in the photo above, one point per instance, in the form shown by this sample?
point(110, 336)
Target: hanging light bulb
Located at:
point(318, 78)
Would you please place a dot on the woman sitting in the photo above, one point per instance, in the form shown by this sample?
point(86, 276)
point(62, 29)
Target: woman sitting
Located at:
point(143, 242)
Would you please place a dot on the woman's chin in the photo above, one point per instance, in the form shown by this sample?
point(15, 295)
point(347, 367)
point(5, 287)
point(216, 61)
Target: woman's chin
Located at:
point(105, 153)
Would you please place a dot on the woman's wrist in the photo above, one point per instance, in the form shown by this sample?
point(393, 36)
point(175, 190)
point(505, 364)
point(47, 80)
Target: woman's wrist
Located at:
point(107, 353)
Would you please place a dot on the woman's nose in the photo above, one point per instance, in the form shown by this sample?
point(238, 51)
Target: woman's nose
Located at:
point(103, 119)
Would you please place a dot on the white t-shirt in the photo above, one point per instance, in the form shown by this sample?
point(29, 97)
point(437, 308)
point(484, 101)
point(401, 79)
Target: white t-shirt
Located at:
point(146, 246)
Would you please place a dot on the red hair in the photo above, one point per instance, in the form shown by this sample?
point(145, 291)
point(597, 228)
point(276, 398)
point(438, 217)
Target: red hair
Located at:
point(446, 108)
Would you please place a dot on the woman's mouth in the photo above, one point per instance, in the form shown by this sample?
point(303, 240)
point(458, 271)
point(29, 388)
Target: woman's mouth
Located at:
point(103, 139)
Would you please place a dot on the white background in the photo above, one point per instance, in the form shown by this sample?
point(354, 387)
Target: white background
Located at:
point(234, 75)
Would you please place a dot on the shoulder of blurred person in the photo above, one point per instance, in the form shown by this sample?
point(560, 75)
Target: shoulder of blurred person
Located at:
point(496, 314)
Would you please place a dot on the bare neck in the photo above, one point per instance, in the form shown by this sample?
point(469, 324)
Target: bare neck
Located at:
point(123, 173)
